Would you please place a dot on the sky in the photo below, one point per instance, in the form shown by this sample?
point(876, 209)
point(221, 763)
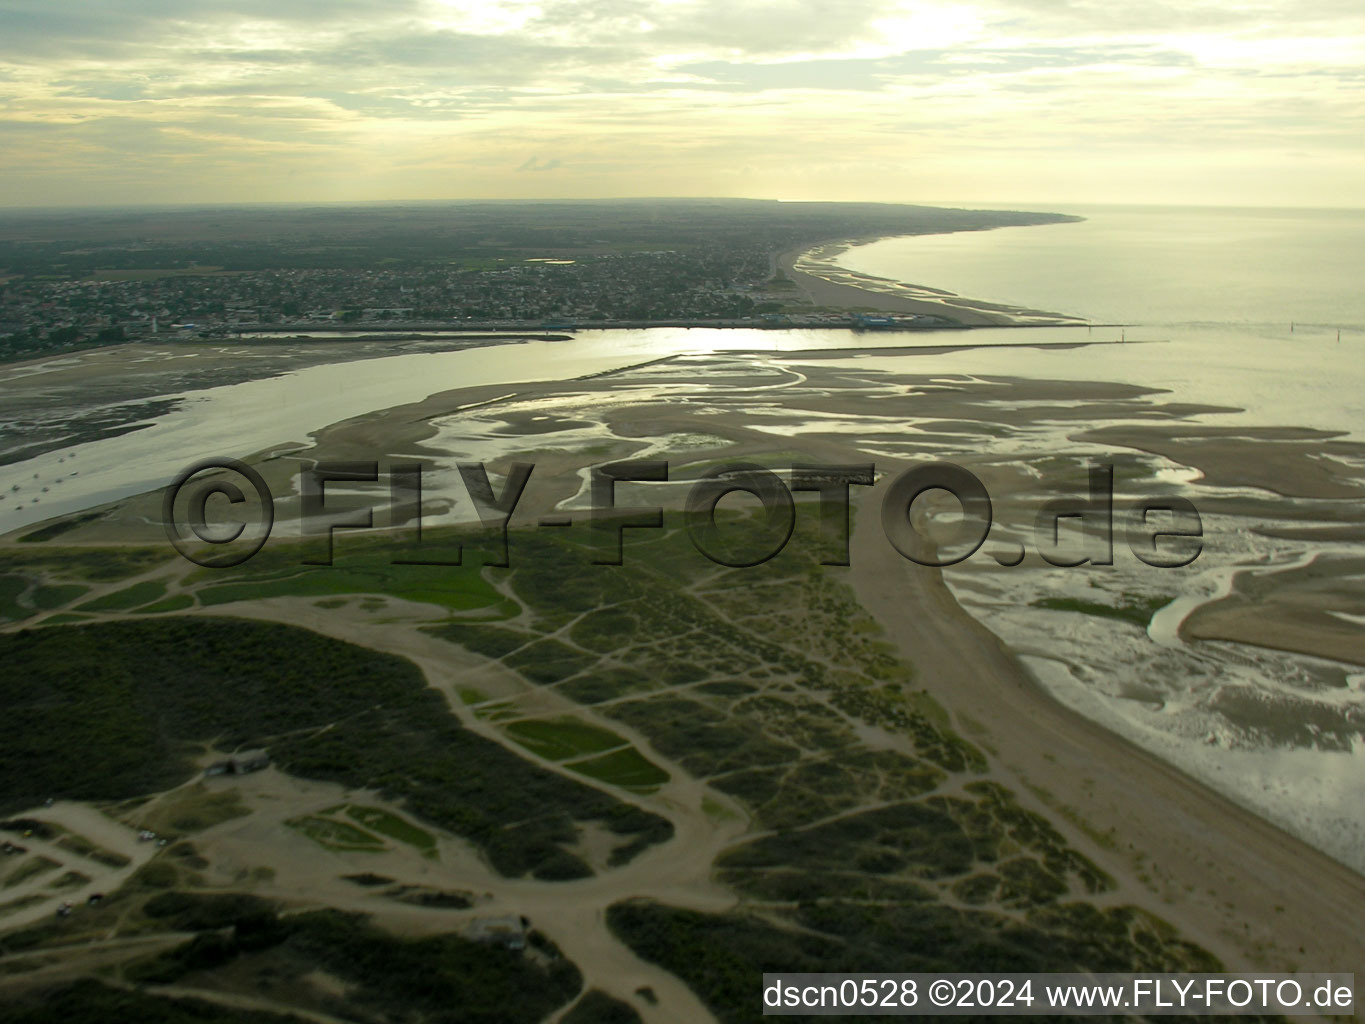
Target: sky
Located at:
point(1045, 102)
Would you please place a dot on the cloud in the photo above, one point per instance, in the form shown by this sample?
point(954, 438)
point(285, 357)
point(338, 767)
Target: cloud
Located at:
point(768, 27)
point(883, 72)
point(96, 27)
point(692, 89)
point(1172, 16)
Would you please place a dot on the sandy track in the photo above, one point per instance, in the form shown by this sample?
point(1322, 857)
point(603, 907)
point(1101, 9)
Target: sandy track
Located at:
point(571, 914)
point(90, 824)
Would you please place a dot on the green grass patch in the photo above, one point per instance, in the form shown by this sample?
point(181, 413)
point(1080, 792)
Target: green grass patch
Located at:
point(126, 599)
point(931, 709)
point(376, 819)
point(56, 595)
point(362, 565)
point(66, 618)
point(606, 630)
point(627, 768)
point(10, 589)
point(337, 835)
point(368, 880)
point(717, 811)
point(469, 695)
point(46, 533)
point(562, 738)
point(606, 684)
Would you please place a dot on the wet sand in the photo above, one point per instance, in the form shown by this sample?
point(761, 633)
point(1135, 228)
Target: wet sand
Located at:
point(821, 292)
point(1288, 461)
point(1252, 893)
point(1316, 610)
point(824, 283)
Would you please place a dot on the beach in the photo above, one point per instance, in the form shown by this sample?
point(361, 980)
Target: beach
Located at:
point(819, 277)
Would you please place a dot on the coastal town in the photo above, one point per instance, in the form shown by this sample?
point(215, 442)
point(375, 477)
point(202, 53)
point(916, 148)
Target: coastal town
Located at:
point(531, 293)
point(71, 283)
point(41, 317)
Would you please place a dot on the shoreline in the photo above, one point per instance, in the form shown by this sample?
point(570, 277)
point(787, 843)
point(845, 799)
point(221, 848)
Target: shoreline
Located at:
point(1221, 864)
point(922, 300)
point(822, 292)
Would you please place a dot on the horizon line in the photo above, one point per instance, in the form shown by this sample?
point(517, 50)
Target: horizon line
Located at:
point(1005, 205)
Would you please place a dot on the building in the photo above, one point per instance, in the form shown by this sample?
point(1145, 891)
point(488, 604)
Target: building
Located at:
point(508, 931)
point(244, 762)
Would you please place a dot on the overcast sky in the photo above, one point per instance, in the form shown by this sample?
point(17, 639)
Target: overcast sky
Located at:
point(1036, 101)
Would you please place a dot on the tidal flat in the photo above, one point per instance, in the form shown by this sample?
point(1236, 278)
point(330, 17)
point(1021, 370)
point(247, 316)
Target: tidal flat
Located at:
point(789, 749)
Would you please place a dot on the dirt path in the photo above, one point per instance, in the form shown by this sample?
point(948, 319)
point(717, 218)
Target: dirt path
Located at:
point(88, 823)
point(1254, 895)
point(571, 914)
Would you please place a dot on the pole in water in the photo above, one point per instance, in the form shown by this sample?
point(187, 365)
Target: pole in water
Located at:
point(1291, 326)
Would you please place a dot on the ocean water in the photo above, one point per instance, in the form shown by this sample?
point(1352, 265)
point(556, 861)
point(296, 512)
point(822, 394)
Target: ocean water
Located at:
point(1262, 310)
point(1153, 266)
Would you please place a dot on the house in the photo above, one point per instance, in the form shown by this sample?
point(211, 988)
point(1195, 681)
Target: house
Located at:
point(508, 931)
point(244, 762)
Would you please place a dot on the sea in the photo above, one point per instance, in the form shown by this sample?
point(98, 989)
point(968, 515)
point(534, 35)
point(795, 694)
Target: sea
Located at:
point(1261, 310)
point(1260, 269)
